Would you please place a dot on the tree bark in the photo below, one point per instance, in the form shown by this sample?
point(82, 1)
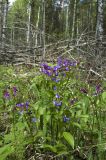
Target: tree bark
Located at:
point(67, 22)
point(0, 20)
point(29, 23)
point(4, 21)
point(99, 23)
point(43, 27)
point(74, 17)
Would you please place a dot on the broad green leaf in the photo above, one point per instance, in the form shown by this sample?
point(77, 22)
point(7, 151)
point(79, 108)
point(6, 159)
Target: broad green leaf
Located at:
point(69, 138)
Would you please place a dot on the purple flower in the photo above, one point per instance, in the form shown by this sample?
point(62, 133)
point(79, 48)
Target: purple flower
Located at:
point(23, 105)
point(27, 104)
point(57, 103)
point(20, 105)
point(73, 101)
point(56, 73)
point(54, 88)
point(34, 119)
point(55, 68)
point(46, 69)
point(59, 61)
point(65, 62)
point(14, 91)
point(45, 66)
point(56, 80)
point(83, 90)
point(98, 89)
point(6, 95)
point(67, 69)
point(57, 96)
point(73, 63)
point(65, 119)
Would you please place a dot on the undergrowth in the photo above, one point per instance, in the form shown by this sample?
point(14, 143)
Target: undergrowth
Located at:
point(53, 115)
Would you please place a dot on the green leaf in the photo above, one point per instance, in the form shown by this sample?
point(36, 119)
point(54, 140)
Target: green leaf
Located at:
point(104, 96)
point(5, 151)
point(69, 138)
point(49, 147)
point(76, 124)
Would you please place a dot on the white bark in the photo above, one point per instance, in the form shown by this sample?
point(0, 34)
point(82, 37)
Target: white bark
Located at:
point(4, 21)
point(67, 22)
point(99, 25)
point(29, 23)
point(74, 16)
point(0, 20)
point(37, 24)
point(43, 38)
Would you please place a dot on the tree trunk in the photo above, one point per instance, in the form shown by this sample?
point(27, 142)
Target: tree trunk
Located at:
point(43, 27)
point(67, 22)
point(99, 35)
point(4, 22)
point(37, 24)
point(29, 23)
point(99, 23)
point(74, 17)
point(0, 20)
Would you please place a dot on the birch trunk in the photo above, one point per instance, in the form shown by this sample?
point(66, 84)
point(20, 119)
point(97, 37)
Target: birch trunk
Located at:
point(99, 25)
point(74, 17)
point(99, 34)
point(43, 27)
point(67, 22)
point(29, 23)
point(37, 23)
point(0, 20)
point(5, 10)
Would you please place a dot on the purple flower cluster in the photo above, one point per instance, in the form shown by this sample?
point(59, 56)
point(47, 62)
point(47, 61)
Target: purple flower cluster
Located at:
point(23, 105)
point(7, 93)
point(66, 63)
point(61, 64)
point(55, 72)
point(46, 69)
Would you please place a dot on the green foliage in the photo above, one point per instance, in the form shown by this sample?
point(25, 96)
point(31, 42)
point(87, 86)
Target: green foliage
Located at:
point(76, 124)
point(69, 138)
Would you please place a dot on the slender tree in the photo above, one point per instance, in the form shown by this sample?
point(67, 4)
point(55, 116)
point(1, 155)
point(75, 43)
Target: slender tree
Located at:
point(4, 21)
point(1, 19)
point(99, 24)
point(74, 17)
point(29, 23)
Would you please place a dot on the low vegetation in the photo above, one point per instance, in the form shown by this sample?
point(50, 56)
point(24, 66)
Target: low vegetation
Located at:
point(55, 114)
